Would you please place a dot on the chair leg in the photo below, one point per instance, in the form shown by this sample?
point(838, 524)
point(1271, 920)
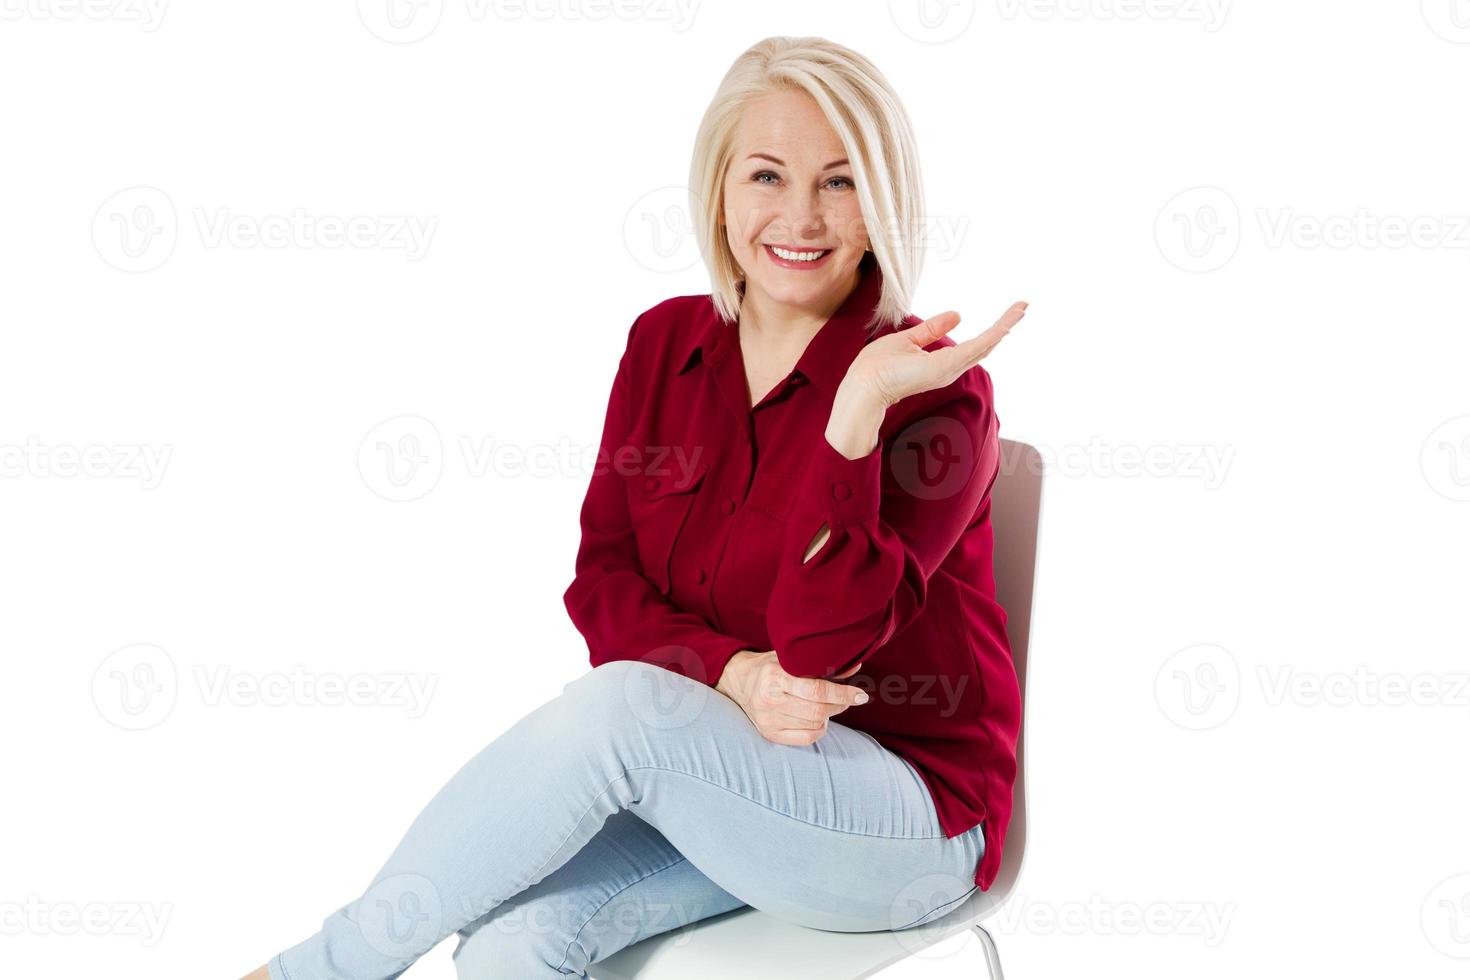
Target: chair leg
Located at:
point(992, 955)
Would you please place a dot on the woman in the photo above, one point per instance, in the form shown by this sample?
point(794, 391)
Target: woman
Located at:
point(793, 522)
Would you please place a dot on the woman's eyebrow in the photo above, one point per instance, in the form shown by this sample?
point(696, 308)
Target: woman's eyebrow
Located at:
point(781, 163)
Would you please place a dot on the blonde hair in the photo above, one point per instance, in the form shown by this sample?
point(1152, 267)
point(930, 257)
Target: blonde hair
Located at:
point(875, 131)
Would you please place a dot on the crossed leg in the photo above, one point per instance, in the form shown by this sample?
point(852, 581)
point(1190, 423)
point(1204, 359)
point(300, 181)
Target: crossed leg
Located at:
point(837, 835)
point(626, 884)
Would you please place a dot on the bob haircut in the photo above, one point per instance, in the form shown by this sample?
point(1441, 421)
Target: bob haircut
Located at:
point(874, 127)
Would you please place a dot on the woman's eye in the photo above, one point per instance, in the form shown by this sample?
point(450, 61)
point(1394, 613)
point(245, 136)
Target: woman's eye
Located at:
point(844, 183)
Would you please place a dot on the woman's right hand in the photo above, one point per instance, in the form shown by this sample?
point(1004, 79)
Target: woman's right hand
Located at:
point(784, 708)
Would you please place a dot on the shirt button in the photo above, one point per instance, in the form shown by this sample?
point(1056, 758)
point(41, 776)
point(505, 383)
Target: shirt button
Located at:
point(841, 491)
point(651, 484)
point(728, 506)
point(699, 577)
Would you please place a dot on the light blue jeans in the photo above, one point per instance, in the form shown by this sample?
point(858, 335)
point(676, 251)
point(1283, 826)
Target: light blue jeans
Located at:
point(635, 802)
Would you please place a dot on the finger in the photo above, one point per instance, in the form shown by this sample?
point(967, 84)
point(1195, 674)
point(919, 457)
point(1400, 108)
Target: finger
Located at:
point(826, 692)
point(780, 719)
point(924, 334)
point(791, 736)
point(804, 710)
point(848, 673)
point(975, 349)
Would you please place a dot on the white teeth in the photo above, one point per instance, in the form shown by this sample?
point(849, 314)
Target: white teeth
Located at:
point(798, 256)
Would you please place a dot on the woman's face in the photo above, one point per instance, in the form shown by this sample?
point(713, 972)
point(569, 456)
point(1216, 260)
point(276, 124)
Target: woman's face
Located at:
point(789, 186)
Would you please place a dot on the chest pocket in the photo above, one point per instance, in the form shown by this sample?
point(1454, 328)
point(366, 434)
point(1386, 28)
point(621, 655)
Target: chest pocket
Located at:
point(659, 506)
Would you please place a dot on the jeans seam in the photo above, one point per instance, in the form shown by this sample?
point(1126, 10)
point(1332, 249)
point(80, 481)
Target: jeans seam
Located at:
point(930, 914)
point(788, 816)
point(576, 939)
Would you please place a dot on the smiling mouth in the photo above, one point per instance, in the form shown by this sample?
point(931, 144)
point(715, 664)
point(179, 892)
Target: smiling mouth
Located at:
point(798, 254)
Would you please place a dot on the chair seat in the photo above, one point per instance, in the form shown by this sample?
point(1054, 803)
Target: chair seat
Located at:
point(722, 947)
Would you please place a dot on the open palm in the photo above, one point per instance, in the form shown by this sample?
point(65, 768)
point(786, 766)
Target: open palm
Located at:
point(897, 366)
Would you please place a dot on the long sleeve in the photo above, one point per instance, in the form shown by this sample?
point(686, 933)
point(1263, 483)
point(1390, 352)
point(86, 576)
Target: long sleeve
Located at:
point(619, 612)
point(894, 516)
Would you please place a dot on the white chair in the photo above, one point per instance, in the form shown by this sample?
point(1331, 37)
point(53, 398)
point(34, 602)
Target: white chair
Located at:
point(746, 944)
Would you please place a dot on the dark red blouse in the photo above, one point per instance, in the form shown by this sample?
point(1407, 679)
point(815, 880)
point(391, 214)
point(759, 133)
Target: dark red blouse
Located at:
point(701, 507)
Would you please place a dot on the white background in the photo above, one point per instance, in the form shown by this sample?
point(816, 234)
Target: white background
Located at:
point(1204, 204)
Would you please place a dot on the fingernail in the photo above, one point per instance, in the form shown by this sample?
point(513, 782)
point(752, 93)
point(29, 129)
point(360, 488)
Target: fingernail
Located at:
point(862, 698)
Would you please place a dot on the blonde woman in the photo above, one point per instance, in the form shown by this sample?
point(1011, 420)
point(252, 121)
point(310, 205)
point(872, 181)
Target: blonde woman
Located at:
point(790, 520)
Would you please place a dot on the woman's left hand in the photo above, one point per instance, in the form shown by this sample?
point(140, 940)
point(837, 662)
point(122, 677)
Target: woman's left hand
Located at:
point(894, 367)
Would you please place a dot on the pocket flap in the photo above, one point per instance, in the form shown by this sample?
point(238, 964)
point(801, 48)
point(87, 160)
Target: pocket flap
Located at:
point(673, 477)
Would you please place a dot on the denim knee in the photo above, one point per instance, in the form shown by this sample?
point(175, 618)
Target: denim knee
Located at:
point(641, 696)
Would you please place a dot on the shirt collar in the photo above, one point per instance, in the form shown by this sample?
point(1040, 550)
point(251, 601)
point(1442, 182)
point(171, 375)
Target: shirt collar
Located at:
point(827, 356)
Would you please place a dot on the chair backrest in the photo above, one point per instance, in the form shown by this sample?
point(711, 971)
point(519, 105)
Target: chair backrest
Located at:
point(1015, 519)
